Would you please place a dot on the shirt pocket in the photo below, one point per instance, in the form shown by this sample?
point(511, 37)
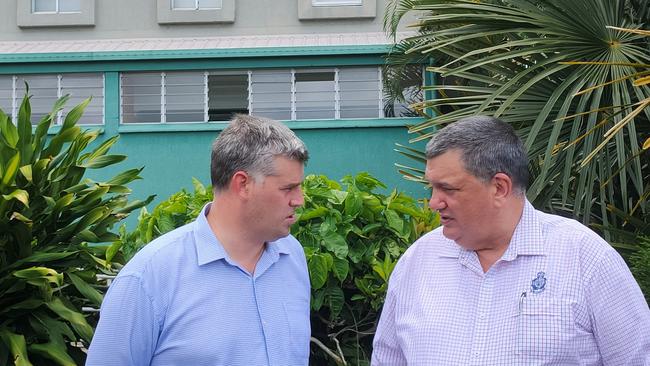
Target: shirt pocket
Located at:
point(299, 327)
point(545, 327)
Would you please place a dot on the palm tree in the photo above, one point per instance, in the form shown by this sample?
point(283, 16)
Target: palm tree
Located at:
point(560, 75)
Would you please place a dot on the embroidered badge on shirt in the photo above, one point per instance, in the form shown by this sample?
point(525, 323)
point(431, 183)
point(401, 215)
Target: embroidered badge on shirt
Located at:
point(538, 284)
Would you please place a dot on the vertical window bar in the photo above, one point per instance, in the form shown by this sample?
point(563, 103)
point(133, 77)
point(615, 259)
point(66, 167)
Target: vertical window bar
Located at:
point(381, 92)
point(14, 78)
point(293, 94)
point(206, 97)
point(163, 109)
point(337, 95)
point(250, 91)
point(59, 79)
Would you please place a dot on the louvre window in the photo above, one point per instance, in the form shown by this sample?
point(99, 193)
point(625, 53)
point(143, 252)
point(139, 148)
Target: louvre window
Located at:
point(45, 89)
point(282, 94)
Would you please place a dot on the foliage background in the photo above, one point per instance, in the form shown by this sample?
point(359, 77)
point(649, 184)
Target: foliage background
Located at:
point(352, 237)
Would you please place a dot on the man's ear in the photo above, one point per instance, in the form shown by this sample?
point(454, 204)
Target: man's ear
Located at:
point(240, 183)
point(502, 185)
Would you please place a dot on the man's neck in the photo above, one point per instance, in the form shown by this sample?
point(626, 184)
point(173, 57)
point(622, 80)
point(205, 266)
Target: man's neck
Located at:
point(230, 229)
point(507, 221)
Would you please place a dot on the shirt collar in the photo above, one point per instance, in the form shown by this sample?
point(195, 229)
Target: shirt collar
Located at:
point(527, 239)
point(209, 249)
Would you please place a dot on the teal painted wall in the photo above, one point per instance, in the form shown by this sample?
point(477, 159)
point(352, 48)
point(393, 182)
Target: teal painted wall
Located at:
point(171, 159)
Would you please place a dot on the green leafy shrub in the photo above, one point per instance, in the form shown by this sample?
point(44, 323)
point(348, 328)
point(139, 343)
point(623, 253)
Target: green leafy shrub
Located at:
point(352, 239)
point(48, 215)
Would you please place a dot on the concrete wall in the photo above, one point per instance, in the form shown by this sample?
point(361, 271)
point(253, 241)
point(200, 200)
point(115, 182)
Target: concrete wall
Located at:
point(115, 19)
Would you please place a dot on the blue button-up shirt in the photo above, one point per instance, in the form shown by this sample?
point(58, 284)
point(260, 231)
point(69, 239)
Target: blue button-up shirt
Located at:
point(182, 301)
point(559, 295)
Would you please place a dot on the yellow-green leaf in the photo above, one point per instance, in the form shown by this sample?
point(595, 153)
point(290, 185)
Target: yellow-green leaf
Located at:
point(646, 144)
point(18, 194)
point(26, 171)
point(17, 346)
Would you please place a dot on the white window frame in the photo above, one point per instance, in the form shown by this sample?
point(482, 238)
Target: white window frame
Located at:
point(343, 9)
point(168, 15)
point(197, 6)
point(25, 18)
point(337, 3)
point(56, 11)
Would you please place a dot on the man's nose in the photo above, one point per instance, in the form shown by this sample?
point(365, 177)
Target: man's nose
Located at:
point(298, 199)
point(436, 202)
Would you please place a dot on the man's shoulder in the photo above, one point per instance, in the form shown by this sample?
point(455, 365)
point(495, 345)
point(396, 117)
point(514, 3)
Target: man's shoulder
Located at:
point(433, 243)
point(573, 235)
point(161, 251)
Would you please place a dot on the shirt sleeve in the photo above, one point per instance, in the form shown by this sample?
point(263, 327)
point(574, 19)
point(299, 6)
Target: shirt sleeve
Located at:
point(127, 330)
point(620, 314)
point(386, 347)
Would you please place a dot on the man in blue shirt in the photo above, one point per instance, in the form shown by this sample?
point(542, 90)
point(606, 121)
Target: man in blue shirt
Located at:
point(232, 287)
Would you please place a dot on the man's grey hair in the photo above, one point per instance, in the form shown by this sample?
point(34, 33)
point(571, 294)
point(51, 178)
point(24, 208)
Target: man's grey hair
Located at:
point(250, 144)
point(487, 145)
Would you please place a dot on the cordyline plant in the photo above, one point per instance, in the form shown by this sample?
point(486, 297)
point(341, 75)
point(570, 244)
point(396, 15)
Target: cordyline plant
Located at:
point(48, 216)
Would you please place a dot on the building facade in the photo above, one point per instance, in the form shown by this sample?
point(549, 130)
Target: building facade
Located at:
point(166, 75)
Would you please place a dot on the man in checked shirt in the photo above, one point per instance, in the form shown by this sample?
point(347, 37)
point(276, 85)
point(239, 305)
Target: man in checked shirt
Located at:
point(500, 283)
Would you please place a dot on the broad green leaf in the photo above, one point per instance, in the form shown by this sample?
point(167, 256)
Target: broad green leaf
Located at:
point(26, 171)
point(394, 221)
point(8, 131)
point(85, 289)
point(19, 195)
point(10, 170)
point(17, 347)
point(353, 203)
point(45, 273)
point(102, 161)
point(55, 351)
point(125, 177)
point(311, 213)
point(317, 271)
point(77, 320)
point(336, 244)
point(341, 268)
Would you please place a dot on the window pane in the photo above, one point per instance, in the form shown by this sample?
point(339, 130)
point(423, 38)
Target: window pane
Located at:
point(314, 95)
point(335, 2)
point(6, 94)
point(69, 6)
point(271, 94)
point(140, 97)
point(80, 87)
point(44, 92)
point(43, 6)
point(359, 92)
point(412, 91)
point(184, 97)
point(184, 4)
point(209, 4)
point(227, 95)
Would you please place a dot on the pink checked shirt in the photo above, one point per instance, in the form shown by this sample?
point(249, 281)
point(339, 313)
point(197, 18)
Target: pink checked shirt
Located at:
point(560, 295)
